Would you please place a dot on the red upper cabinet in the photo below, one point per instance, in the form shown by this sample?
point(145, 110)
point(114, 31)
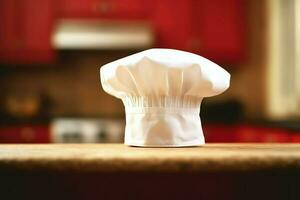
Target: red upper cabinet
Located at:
point(104, 9)
point(171, 23)
point(25, 34)
point(219, 29)
point(8, 26)
point(215, 29)
point(38, 25)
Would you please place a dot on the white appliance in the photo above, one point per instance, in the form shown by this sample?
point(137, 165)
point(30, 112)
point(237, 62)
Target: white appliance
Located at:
point(77, 130)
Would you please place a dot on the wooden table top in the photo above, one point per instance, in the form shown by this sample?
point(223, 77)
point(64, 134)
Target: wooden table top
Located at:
point(118, 157)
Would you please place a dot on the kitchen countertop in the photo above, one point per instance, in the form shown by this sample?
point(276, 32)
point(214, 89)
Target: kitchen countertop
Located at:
point(118, 157)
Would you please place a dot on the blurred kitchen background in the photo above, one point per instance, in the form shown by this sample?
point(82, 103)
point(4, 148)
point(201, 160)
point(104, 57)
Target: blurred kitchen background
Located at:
point(51, 52)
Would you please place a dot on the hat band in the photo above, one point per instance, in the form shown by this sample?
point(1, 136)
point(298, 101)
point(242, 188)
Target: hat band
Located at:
point(162, 101)
point(162, 110)
point(163, 130)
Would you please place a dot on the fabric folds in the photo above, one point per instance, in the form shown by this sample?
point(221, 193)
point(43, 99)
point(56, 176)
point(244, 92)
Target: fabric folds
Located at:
point(162, 90)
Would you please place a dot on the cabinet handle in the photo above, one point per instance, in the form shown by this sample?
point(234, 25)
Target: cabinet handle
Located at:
point(103, 7)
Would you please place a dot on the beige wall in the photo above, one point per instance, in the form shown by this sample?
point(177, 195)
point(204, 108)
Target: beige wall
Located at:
point(248, 80)
point(73, 85)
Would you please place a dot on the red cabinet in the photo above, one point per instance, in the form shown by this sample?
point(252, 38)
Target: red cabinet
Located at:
point(248, 133)
point(25, 34)
point(219, 29)
point(295, 137)
point(171, 23)
point(8, 27)
point(251, 133)
point(215, 29)
point(25, 134)
point(104, 9)
point(219, 133)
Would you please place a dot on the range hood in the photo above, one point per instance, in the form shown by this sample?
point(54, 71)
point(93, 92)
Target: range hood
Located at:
point(106, 35)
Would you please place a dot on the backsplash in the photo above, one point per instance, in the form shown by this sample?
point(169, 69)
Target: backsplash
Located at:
point(73, 86)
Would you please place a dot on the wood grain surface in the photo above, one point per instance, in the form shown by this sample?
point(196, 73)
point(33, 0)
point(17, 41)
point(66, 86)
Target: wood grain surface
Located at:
point(118, 157)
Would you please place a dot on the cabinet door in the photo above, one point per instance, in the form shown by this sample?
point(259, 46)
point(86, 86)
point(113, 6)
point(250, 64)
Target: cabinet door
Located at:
point(219, 29)
point(171, 23)
point(38, 20)
point(8, 28)
point(104, 9)
point(25, 134)
point(252, 133)
point(219, 132)
point(25, 33)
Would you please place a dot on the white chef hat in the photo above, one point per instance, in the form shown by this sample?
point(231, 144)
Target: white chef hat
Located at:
point(162, 90)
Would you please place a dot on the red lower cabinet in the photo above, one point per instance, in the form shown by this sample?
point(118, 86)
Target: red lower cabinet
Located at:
point(25, 134)
point(295, 137)
point(252, 133)
point(248, 133)
point(219, 133)
point(277, 136)
point(213, 132)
